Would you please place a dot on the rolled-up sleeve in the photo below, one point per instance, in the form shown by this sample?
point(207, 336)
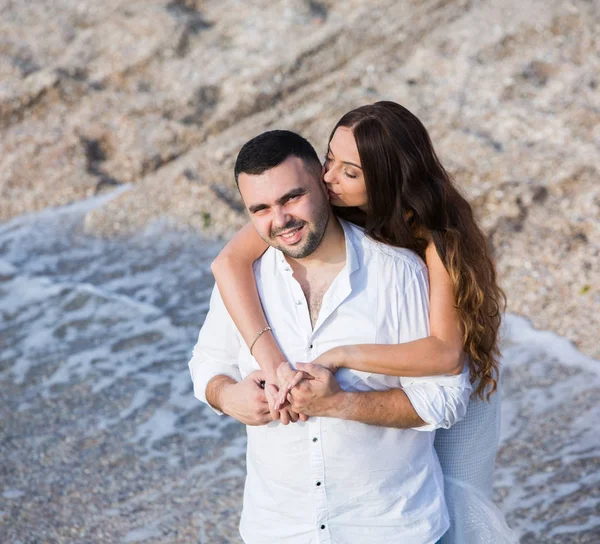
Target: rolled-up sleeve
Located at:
point(440, 401)
point(217, 349)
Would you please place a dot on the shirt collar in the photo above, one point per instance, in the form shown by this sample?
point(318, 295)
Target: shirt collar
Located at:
point(352, 263)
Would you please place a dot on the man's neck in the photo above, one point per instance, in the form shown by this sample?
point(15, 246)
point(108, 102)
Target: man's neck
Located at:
point(316, 272)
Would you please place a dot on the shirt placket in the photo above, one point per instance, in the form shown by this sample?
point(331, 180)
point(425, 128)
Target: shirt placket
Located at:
point(302, 313)
point(332, 299)
point(317, 466)
point(318, 483)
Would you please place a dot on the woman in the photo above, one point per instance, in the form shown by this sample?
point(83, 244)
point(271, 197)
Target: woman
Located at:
point(381, 172)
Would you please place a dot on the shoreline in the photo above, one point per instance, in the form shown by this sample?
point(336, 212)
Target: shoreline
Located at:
point(549, 297)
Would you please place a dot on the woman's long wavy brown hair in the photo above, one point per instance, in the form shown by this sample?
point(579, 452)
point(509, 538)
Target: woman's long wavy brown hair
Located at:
point(411, 199)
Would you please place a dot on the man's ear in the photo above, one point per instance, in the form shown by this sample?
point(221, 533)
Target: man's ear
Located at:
point(322, 181)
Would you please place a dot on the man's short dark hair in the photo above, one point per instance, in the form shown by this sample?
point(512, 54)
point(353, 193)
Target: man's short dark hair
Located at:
point(270, 149)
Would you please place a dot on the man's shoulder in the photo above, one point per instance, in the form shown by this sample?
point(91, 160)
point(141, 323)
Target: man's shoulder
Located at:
point(386, 254)
point(397, 255)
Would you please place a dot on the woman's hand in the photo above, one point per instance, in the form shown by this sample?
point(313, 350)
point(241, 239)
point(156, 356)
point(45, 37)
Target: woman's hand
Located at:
point(288, 379)
point(285, 414)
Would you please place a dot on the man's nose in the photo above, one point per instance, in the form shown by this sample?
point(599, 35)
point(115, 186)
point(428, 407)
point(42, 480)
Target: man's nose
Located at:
point(280, 216)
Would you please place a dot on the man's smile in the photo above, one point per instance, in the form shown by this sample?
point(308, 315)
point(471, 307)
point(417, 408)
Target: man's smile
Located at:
point(292, 236)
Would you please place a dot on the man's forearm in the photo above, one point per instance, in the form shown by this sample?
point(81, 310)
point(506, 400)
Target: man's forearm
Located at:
point(215, 388)
point(390, 408)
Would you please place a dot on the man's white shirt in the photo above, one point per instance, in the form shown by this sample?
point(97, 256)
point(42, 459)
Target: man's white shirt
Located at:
point(329, 480)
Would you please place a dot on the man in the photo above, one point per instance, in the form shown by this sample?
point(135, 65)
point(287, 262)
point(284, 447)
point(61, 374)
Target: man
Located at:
point(362, 469)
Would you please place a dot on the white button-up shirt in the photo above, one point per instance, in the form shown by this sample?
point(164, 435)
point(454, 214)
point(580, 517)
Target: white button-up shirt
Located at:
point(329, 480)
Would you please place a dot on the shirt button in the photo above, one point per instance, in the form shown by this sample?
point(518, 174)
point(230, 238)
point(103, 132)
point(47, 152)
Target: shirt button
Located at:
point(318, 484)
point(315, 439)
point(298, 302)
point(311, 346)
point(322, 526)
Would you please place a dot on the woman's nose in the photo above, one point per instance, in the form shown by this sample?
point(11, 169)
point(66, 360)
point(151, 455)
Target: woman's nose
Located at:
point(328, 176)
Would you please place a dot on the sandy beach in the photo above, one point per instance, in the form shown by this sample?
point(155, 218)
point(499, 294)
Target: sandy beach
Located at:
point(102, 440)
point(119, 126)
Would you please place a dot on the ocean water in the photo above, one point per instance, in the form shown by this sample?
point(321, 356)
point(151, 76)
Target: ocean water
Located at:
point(102, 440)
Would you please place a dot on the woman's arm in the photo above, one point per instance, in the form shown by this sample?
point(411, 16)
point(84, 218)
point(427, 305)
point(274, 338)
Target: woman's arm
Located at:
point(440, 353)
point(235, 278)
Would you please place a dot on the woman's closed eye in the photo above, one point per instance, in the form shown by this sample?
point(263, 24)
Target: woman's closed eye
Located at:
point(327, 163)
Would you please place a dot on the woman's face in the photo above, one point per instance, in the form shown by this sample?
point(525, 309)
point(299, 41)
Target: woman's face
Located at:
point(343, 173)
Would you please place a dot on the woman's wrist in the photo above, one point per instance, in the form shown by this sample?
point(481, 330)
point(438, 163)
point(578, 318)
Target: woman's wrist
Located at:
point(334, 358)
point(341, 356)
point(268, 356)
point(270, 370)
point(347, 355)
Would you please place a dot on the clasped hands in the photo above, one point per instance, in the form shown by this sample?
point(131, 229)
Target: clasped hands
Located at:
point(308, 391)
point(312, 390)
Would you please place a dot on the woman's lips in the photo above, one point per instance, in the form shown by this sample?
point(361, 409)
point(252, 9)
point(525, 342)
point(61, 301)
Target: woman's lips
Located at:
point(332, 194)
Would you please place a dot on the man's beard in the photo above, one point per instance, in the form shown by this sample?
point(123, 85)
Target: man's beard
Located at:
point(313, 236)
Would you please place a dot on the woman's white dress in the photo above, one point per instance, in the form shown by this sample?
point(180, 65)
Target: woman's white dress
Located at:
point(467, 453)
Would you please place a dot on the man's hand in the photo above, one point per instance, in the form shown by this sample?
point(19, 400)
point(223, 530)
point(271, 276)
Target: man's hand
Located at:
point(318, 395)
point(246, 400)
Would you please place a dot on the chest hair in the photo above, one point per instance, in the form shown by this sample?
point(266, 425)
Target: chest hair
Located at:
point(314, 292)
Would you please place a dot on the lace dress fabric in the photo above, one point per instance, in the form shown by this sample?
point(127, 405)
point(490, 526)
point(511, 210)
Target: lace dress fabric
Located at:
point(467, 453)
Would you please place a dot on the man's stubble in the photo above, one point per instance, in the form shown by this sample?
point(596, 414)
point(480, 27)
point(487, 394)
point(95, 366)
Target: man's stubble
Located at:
point(313, 239)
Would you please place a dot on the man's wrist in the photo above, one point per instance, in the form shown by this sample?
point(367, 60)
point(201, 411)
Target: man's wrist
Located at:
point(216, 392)
point(224, 391)
point(338, 406)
